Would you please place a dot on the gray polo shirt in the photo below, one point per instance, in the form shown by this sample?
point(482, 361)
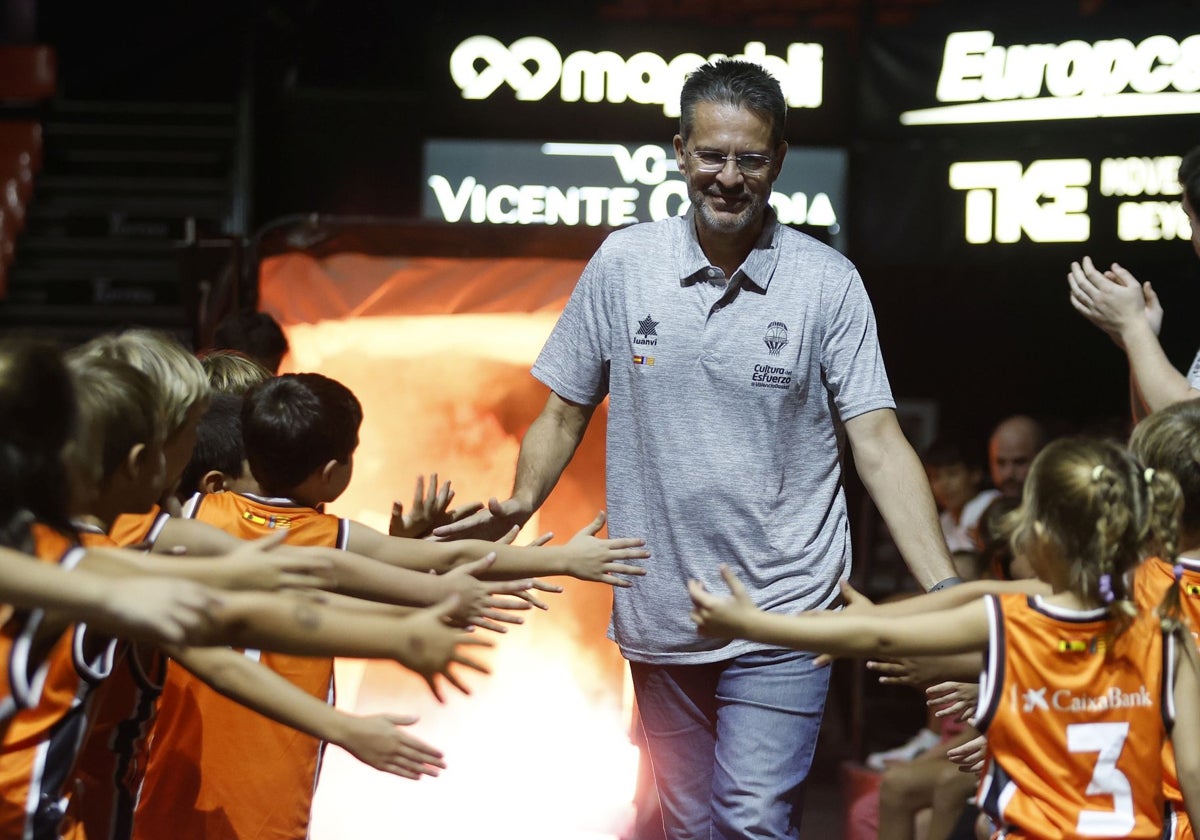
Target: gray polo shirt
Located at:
point(725, 420)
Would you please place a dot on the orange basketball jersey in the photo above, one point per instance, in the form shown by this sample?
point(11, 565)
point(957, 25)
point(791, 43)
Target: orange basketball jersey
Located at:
point(112, 759)
point(137, 528)
point(19, 637)
point(1154, 577)
point(41, 742)
point(219, 771)
point(1075, 732)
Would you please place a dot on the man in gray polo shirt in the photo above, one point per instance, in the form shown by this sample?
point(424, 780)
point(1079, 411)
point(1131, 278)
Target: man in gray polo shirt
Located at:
point(738, 355)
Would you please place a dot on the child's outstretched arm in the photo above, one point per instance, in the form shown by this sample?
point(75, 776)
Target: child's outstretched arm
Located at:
point(951, 596)
point(424, 641)
point(585, 557)
point(924, 671)
point(232, 563)
point(153, 609)
point(841, 634)
point(242, 567)
point(374, 740)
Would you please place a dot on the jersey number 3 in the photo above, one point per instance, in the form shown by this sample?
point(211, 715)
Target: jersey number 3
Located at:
point(1106, 739)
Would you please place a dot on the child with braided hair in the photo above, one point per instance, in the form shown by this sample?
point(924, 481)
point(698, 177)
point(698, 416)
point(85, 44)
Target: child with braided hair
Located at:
point(1080, 689)
point(1168, 440)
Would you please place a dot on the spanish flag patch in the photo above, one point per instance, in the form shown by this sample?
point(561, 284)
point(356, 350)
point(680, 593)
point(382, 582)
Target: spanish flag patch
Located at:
point(269, 522)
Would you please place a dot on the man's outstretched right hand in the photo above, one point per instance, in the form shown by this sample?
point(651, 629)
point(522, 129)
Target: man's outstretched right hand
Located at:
point(491, 523)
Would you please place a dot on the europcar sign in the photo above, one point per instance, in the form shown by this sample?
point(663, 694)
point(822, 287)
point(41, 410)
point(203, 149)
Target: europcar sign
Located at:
point(984, 81)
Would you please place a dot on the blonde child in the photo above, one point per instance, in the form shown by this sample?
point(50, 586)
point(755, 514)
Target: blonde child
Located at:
point(122, 427)
point(1079, 689)
point(232, 372)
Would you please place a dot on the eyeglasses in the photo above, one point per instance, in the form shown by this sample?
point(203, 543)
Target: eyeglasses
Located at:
point(749, 164)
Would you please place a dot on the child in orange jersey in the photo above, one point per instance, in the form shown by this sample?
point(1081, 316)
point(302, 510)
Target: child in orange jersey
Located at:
point(37, 420)
point(300, 432)
point(1168, 440)
point(113, 757)
point(56, 667)
point(1079, 689)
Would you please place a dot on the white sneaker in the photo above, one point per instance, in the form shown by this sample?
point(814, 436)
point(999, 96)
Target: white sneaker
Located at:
point(914, 746)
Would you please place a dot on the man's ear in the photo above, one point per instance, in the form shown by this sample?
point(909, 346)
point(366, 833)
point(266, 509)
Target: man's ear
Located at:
point(327, 470)
point(212, 481)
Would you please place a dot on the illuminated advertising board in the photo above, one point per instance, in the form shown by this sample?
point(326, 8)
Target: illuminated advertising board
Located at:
point(607, 185)
point(1029, 137)
point(606, 83)
point(988, 204)
point(1007, 80)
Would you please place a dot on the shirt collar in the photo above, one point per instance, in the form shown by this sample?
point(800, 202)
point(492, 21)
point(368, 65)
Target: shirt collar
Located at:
point(755, 272)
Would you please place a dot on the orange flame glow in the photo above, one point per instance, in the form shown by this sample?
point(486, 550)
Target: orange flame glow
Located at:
point(541, 747)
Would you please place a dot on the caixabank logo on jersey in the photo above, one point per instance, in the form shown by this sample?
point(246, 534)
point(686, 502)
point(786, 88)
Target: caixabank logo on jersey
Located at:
point(1065, 700)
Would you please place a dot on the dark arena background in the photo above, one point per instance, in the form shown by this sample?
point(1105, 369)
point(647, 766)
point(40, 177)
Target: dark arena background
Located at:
point(412, 190)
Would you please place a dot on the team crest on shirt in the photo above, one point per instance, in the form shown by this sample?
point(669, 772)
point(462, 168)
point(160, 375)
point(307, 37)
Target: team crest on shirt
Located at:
point(776, 337)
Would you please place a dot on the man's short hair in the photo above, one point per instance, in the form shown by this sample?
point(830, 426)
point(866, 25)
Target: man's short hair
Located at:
point(294, 424)
point(742, 84)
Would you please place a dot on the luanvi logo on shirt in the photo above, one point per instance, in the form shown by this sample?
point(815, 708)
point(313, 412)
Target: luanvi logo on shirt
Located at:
point(647, 332)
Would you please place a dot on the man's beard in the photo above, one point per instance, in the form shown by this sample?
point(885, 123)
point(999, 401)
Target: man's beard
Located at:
point(724, 222)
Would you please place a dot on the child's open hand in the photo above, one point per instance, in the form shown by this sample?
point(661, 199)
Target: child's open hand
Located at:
point(428, 645)
point(430, 509)
point(721, 618)
point(602, 560)
point(379, 742)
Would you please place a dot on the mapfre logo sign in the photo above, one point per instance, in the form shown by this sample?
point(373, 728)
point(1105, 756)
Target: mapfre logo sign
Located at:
point(534, 68)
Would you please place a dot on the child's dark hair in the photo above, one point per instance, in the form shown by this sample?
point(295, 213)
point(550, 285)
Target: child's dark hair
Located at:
point(947, 450)
point(256, 334)
point(1100, 510)
point(296, 423)
point(995, 530)
point(37, 419)
point(218, 444)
